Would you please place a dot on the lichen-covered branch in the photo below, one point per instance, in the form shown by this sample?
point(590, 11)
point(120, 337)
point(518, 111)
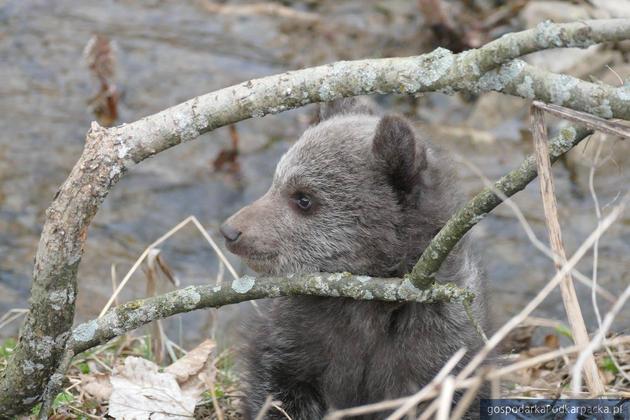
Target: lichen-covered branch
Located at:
point(545, 35)
point(423, 273)
point(520, 79)
point(134, 314)
point(109, 153)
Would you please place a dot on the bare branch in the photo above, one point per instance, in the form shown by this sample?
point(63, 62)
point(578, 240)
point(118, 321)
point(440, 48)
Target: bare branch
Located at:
point(132, 315)
point(423, 273)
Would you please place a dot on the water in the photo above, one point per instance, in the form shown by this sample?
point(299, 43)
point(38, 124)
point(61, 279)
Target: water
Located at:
point(170, 51)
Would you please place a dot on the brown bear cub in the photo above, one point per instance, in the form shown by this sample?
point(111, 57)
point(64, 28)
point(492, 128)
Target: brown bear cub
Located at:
point(362, 194)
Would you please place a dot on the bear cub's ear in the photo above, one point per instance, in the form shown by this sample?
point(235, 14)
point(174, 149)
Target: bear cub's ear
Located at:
point(345, 106)
point(395, 146)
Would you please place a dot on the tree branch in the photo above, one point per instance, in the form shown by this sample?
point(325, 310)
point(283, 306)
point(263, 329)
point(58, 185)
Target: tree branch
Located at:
point(109, 153)
point(423, 273)
point(132, 315)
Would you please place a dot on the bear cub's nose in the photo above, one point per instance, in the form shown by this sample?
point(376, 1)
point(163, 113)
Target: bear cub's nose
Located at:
point(230, 233)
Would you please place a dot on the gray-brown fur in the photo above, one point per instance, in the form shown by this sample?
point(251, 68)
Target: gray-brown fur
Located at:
point(379, 193)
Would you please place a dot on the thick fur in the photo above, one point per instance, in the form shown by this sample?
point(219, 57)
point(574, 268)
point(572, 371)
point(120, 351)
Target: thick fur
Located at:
point(379, 193)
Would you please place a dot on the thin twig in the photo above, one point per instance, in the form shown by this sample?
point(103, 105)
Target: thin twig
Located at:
point(420, 395)
point(589, 120)
point(474, 321)
point(502, 332)
point(598, 213)
point(587, 353)
point(424, 272)
point(114, 276)
point(529, 231)
point(366, 409)
point(545, 357)
point(430, 410)
point(160, 240)
point(472, 383)
point(466, 400)
point(11, 315)
point(446, 398)
point(265, 407)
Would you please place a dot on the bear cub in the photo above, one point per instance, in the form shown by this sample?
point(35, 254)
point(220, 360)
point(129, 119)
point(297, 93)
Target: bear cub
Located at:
point(363, 194)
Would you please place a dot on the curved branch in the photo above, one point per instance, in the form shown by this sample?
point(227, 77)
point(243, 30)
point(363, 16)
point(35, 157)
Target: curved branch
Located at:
point(134, 314)
point(518, 78)
point(109, 153)
point(423, 273)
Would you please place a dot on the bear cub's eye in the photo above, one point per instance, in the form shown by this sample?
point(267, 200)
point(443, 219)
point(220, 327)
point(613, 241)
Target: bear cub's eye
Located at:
point(303, 201)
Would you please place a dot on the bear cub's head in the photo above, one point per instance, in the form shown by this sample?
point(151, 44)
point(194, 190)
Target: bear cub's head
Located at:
point(345, 197)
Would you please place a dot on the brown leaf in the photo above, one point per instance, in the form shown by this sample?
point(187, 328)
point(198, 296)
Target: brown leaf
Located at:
point(97, 385)
point(192, 363)
point(551, 341)
point(229, 157)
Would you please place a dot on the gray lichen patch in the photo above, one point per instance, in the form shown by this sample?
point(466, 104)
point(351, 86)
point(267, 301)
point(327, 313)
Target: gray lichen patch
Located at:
point(430, 69)
point(317, 284)
point(243, 284)
point(526, 89)
point(560, 88)
point(363, 279)
point(367, 76)
point(603, 109)
point(498, 79)
point(28, 367)
point(623, 93)
point(548, 33)
point(328, 90)
point(123, 147)
point(564, 141)
point(114, 172)
point(45, 346)
point(335, 277)
point(390, 292)
point(468, 62)
point(407, 291)
point(189, 297)
point(85, 332)
point(58, 299)
point(274, 291)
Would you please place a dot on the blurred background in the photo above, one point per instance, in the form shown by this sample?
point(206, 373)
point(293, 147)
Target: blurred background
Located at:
point(66, 63)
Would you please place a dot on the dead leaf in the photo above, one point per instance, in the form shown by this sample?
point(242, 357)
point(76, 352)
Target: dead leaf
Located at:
point(141, 392)
point(97, 385)
point(192, 363)
point(191, 370)
point(229, 157)
point(551, 341)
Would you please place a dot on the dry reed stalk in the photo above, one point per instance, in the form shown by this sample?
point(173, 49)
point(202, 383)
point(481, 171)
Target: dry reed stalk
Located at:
point(569, 297)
